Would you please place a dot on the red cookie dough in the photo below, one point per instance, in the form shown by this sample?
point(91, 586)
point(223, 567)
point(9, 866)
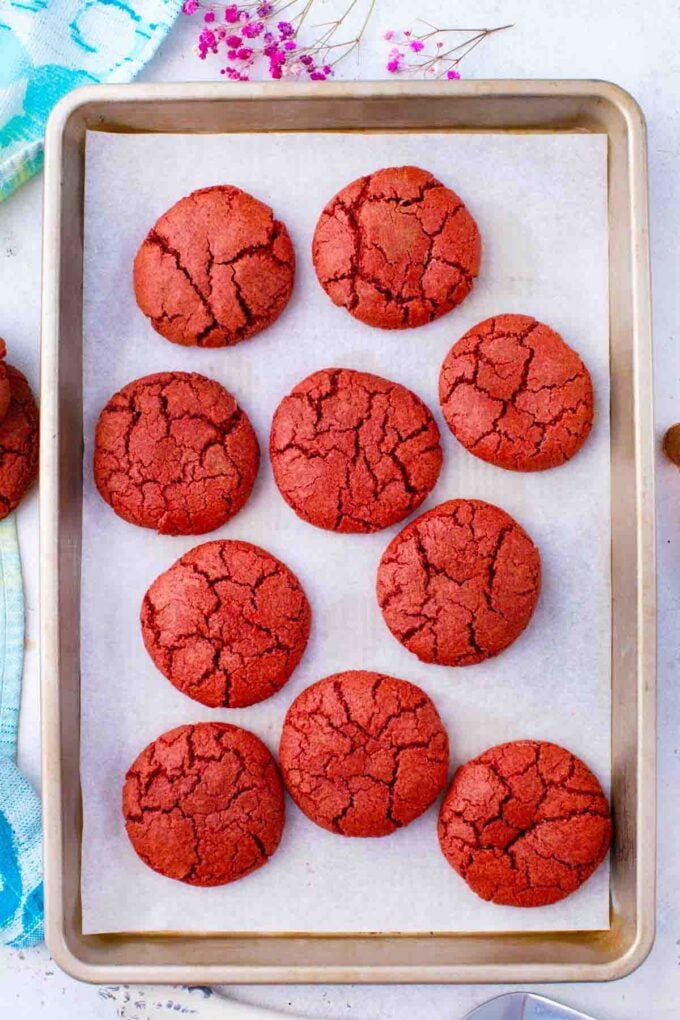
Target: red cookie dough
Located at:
point(215, 269)
point(363, 754)
point(204, 804)
point(175, 452)
point(459, 583)
point(352, 451)
point(525, 824)
point(397, 248)
point(18, 443)
point(5, 391)
point(227, 624)
point(516, 395)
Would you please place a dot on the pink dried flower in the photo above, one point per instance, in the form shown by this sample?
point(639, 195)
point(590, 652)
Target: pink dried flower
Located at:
point(264, 10)
point(416, 45)
point(252, 29)
point(327, 69)
point(233, 40)
point(286, 30)
point(393, 65)
point(245, 53)
point(317, 76)
point(306, 59)
point(244, 16)
point(289, 45)
point(190, 6)
point(231, 14)
point(234, 74)
point(389, 35)
point(206, 42)
point(452, 75)
point(209, 17)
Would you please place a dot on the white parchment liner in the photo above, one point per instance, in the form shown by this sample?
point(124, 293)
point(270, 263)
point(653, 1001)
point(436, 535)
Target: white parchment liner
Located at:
point(541, 205)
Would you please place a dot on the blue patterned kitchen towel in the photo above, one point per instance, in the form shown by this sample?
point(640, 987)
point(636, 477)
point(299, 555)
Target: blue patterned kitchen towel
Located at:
point(21, 887)
point(48, 47)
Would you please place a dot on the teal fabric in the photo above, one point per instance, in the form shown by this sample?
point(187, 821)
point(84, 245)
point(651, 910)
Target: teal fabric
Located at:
point(21, 887)
point(48, 47)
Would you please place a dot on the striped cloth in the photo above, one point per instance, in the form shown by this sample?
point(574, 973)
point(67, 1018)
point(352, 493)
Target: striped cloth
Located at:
point(21, 887)
point(48, 47)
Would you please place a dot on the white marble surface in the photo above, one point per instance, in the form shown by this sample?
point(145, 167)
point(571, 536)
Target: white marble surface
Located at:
point(635, 45)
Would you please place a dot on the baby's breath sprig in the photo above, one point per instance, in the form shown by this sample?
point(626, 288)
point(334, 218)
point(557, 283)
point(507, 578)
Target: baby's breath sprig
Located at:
point(434, 52)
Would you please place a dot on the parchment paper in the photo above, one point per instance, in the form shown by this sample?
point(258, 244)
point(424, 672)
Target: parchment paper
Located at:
point(541, 205)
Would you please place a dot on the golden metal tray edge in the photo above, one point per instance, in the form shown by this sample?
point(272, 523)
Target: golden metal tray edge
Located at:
point(514, 106)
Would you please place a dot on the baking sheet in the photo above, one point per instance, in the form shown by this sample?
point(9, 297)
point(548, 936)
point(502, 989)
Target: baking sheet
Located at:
point(541, 204)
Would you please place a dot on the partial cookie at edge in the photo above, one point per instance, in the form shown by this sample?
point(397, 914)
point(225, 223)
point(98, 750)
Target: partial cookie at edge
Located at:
point(19, 443)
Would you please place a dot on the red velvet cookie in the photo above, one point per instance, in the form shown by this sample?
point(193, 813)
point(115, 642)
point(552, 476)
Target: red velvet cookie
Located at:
point(215, 269)
point(19, 435)
point(5, 391)
point(516, 395)
point(175, 452)
point(353, 452)
point(204, 804)
point(363, 754)
point(525, 824)
point(227, 624)
point(397, 248)
point(459, 583)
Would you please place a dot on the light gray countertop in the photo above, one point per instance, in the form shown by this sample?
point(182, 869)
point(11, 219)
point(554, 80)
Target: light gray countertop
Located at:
point(635, 45)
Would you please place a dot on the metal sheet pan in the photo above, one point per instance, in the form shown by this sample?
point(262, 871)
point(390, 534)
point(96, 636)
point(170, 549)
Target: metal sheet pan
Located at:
point(509, 106)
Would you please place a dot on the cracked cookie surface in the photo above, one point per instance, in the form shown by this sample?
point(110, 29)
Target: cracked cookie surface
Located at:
point(353, 452)
point(203, 804)
point(363, 754)
point(5, 390)
point(516, 395)
point(397, 248)
point(227, 623)
point(18, 443)
point(215, 269)
point(525, 824)
point(175, 452)
point(460, 583)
